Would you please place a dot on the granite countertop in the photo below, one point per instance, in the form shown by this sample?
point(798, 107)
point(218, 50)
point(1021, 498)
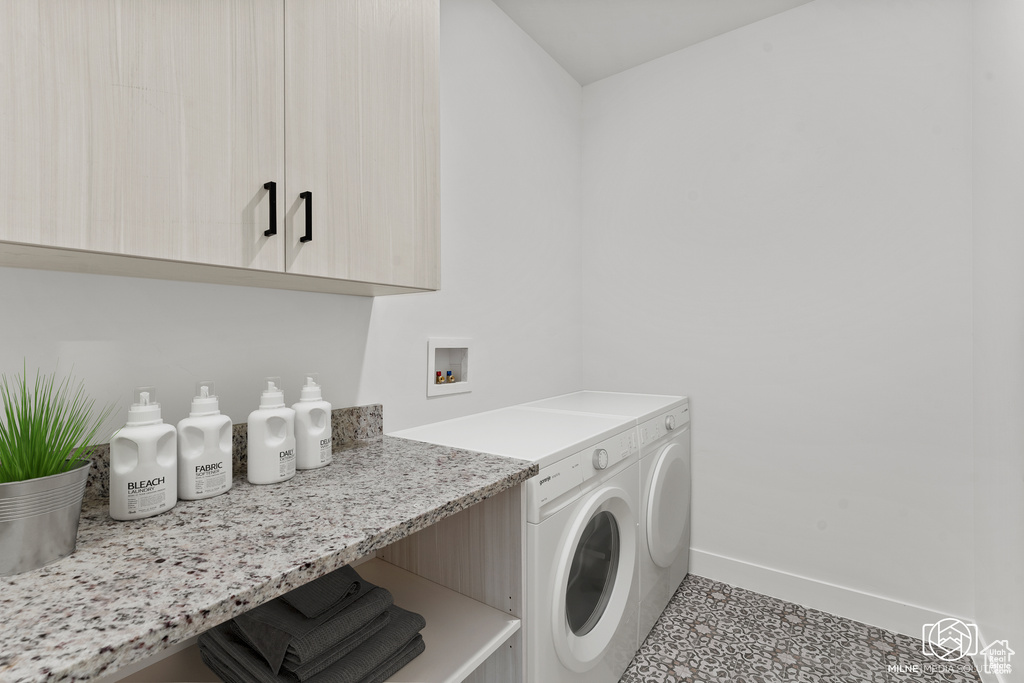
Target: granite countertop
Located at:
point(134, 588)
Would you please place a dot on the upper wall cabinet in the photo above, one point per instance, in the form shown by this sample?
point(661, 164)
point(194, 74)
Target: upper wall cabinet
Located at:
point(143, 128)
point(361, 103)
point(164, 138)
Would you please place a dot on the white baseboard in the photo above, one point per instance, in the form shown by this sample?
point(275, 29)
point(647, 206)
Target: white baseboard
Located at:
point(853, 604)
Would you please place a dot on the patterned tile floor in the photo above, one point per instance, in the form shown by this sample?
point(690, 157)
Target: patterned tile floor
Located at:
point(712, 632)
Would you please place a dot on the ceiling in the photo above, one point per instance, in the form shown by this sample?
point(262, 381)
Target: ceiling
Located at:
point(593, 39)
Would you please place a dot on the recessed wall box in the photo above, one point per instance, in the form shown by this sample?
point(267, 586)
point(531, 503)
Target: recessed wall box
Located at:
point(444, 356)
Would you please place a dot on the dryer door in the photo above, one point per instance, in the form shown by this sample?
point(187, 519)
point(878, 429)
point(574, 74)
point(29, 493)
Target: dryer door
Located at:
point(668, 502)
point(594, 576)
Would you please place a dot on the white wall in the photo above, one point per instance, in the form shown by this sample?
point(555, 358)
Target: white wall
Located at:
point(777, 223)
point(510, 213)
point(999, 321)
point(511, 273)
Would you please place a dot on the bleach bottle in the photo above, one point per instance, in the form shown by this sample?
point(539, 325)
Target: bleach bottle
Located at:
point(143, 462)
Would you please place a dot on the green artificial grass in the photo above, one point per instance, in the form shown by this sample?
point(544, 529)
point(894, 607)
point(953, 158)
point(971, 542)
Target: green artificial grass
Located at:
point(47, 428)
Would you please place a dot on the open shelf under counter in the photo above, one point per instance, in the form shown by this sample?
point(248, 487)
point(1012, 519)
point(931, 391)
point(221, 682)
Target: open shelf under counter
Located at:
point(460, 634)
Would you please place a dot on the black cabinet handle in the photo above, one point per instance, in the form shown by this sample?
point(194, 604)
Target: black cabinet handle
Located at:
point(272, 188)
point(307, 196)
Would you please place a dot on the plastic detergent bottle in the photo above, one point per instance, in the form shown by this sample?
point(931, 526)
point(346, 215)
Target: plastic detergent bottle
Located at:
point(312, 427)
point(271, 438)
point(143, 462)
point(204, 448)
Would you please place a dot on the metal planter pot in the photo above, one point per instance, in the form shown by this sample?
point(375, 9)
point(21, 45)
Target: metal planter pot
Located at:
point(39, 519)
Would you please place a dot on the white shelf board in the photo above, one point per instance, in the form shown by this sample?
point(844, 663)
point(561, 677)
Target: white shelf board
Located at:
point(460, 633)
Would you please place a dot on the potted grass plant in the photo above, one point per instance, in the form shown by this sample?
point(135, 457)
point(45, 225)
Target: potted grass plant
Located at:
point(47, 431)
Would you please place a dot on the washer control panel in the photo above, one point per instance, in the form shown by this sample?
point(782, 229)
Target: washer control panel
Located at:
point(666, 423)
point(557, 483)
point(606, 454)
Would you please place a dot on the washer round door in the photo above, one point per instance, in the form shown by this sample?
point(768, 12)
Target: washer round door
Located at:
point(668, 503)
point(594, 575)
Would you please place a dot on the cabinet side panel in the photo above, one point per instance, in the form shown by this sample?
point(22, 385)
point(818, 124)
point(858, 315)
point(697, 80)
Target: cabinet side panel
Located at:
point(476, 552)
point(427, 158)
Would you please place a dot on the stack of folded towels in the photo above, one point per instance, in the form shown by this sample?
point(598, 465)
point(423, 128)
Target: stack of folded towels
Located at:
point(337, 629)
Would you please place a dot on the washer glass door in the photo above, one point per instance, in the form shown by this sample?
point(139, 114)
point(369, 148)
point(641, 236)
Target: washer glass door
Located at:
point(592, 573)
point(594, 579)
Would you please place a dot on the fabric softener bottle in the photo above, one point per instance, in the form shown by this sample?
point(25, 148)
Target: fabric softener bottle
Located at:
point(271, 438)
point(312, 427)
point(143, 462)
point(204, 448)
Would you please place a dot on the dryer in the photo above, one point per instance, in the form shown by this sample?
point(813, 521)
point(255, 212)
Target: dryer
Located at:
point(663, 428)
point(581, 584)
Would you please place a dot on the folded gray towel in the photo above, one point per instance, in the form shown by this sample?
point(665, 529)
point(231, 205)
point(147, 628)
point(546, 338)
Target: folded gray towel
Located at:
point(384, 647)
point(383, 672)
point(219, 665)
point(342, 647)
point(296, 623)
point(228, 657)
point(330, 592)
point(408, 653)
point(378, 675)
point(231, 659)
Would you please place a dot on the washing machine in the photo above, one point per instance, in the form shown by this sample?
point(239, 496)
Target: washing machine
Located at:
point(663, 428)
point(581, 582)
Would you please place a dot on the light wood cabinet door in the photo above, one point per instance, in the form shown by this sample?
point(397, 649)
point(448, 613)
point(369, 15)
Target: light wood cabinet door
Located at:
point(143, 127)
point(362, 136)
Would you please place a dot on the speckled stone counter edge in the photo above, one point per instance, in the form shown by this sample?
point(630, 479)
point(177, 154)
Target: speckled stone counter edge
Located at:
point(107, 654)
point(114, 656)
point(347, 425)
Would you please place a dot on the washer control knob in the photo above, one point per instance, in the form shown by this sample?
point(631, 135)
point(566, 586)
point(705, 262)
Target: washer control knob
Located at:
point(670, 422)
point(600, 459)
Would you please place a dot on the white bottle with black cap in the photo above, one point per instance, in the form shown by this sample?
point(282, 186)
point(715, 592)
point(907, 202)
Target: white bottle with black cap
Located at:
point(143, 462)
point(204, 448)
point(312, 427)
point(271, 438)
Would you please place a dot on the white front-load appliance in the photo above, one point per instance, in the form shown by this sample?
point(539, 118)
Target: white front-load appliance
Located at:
point(580, 607)
point(663, 426)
